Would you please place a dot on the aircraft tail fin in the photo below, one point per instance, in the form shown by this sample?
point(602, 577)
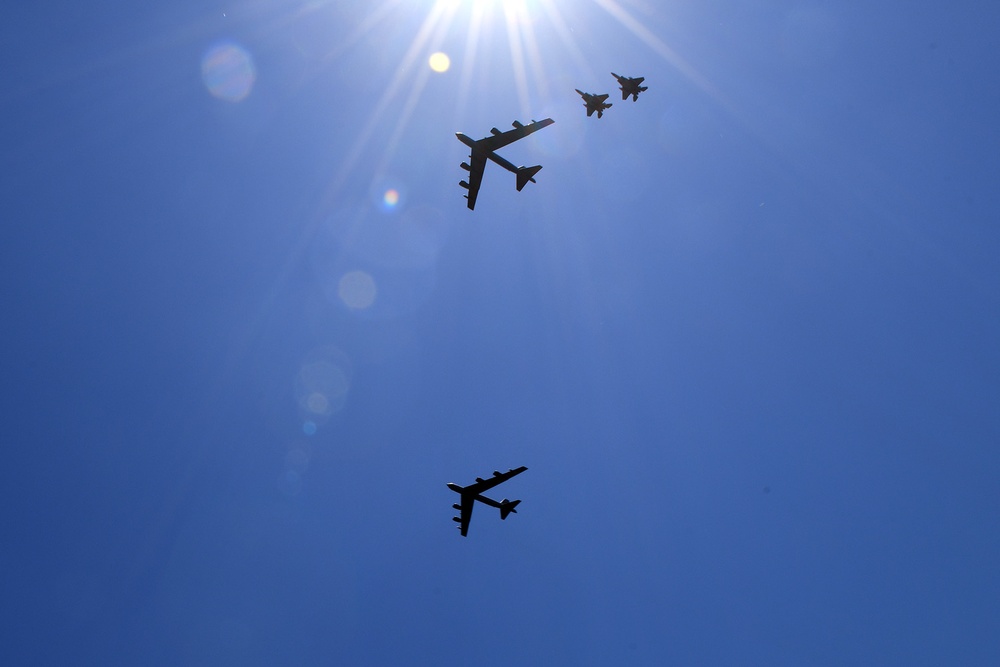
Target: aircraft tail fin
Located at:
point(525, 174)
point(507, 506)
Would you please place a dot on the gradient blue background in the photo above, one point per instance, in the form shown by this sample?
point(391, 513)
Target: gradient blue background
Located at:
point(743, 333)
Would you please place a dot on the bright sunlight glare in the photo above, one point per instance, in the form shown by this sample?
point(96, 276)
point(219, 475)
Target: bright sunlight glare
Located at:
point(487, 25)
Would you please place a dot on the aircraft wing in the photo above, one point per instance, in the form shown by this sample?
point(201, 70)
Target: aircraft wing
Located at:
point(477, 165)
point(497, 141)
point(601, 98)
point(466, 513)
point(485, 484)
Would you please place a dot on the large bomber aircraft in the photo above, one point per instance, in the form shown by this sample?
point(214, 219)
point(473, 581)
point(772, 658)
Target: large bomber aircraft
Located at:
point(473, 492)
point(484, 149)
point(630, 86)
point(594, 103)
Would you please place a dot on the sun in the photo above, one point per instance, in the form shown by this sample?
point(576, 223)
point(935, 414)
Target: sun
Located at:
point(503, 24)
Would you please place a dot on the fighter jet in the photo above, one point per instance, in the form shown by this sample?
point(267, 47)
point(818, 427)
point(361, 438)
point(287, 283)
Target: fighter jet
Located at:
point(630, 86)
point(594, 103)
point(483, 150)
point(473, 492)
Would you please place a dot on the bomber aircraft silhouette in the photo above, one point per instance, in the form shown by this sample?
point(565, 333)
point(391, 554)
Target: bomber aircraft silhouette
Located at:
point(483, 150)
point(594, 103)
point(473, 492)
point(630, 86)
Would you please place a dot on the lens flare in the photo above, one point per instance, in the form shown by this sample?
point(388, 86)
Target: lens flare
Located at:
point(439, 62)
point(228, 72)
point(388, 194)
point(318, 403)
point(357, 290)
point(322, 384)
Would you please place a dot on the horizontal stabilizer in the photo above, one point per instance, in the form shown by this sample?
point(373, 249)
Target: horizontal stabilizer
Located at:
point(507, 506)
point(525, 174)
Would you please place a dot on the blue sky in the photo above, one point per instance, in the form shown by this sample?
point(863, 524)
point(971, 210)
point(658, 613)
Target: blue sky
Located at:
point(743, 333)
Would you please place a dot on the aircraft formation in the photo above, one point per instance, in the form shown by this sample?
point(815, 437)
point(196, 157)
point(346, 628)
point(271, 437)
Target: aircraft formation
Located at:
point(483, 150)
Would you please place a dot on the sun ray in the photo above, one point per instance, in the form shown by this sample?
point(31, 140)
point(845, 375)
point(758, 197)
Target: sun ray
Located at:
point(563, 31)
point(367, 25)
point(471, 44)
point(652, 41)
point(418, 86)
point(513, 18)
point(535, 59)
point(409, 58)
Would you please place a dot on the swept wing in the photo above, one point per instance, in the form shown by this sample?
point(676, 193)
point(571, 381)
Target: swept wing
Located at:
point(500, 139)
point(487, 484)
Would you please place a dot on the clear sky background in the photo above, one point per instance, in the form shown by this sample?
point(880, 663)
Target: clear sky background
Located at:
point(743, 332)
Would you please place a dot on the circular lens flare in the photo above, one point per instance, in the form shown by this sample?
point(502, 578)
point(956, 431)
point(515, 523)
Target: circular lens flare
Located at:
point(357, 290)
point(228, 72)
point(439, 62)
point(322, 384)
point(388, 194)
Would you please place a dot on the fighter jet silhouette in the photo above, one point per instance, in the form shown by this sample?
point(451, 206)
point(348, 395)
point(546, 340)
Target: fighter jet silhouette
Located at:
point(594, 103)
point(630, 86)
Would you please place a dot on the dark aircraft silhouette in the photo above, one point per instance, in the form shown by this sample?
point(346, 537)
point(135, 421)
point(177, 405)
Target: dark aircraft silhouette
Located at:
point(473, 492)
point(594, 103)
point(630, 86)
point(483, 150)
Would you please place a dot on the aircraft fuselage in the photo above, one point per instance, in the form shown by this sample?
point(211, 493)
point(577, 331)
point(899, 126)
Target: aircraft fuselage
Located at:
point(476, 149)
